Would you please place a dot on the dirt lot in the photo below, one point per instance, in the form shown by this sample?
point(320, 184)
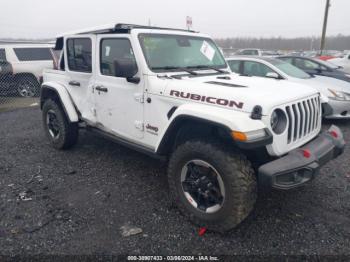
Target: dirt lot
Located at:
point(75, 202)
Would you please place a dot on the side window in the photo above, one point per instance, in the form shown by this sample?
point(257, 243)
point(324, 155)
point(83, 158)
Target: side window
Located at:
point(306, 64)
point(2, 54)
point(79, 54)
point(247, 52)
point(256, 69)
point(349, 57)
point(323, 67)
point(33, 54)
point(115, 53)
point(234, 65)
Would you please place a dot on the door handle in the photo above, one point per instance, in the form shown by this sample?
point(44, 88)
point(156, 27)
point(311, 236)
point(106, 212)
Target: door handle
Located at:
point(74, 83)
point(101, 89)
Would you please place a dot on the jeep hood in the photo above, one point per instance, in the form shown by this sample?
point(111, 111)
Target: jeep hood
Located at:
point(238, 92)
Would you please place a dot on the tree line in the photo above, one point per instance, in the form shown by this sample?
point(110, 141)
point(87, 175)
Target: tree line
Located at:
point(339, 42)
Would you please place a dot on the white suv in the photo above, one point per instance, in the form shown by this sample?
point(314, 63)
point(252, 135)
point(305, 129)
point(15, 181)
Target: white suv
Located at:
point(168, 93)
point(26, 63)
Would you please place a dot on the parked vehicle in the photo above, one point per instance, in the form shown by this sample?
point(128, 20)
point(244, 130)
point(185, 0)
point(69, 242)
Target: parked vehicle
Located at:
point(168, 93)
point(257, 52)
point(5, 69)
point(27, 62)
point(5, 78)
point(253, 52)
point(337, 91)
point(344, 62)
point(309, 53)
point(314, 66)
point(329, 54)
point(297, 53)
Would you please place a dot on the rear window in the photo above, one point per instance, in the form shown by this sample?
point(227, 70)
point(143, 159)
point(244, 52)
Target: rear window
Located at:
point(79, 54)
point(33, 54)
point(2, 54)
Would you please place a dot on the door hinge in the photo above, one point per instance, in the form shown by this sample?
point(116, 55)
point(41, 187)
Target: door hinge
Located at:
point(139, 97)
point(139, 125)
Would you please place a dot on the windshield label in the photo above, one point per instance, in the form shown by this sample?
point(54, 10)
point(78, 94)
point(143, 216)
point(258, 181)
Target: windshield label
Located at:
point(207, 50)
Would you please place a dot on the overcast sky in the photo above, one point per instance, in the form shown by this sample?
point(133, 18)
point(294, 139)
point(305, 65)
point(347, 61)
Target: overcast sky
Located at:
point(219, 18)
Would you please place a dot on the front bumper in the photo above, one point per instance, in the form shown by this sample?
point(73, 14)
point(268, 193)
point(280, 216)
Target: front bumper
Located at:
point(302, 164)
point(340, 109)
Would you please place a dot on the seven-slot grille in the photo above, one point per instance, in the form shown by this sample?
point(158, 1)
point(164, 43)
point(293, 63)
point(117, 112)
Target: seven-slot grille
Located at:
point(304, 118)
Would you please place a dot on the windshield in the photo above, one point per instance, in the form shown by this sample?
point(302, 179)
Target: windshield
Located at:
point(289, 69)
point(178, 52)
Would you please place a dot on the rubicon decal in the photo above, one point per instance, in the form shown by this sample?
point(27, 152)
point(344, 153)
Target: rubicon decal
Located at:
point(207, 99)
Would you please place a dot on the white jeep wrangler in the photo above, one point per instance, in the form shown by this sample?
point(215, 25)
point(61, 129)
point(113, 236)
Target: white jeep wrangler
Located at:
point(168, 93)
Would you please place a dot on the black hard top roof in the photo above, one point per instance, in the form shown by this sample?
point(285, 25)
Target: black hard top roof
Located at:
point(116, 29)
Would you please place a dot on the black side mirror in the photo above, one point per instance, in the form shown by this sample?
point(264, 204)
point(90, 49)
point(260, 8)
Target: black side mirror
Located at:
point(126, 68)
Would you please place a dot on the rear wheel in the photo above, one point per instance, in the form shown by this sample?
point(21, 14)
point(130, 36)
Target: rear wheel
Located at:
point(27, 86)
point(212, 186)
point(61, 133)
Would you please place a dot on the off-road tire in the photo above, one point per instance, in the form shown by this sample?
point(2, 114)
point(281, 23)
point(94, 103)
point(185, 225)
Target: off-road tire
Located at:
point(68, 135)
point(238, 177)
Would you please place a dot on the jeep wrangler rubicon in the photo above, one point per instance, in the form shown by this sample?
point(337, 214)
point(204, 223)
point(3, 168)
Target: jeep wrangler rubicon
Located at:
point(169, 93)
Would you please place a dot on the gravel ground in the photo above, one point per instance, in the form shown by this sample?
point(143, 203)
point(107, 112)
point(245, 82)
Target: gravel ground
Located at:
point(75, 202)
point(8, 103)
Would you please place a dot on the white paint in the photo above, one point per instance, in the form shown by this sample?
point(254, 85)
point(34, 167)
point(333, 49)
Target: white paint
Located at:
point(126, 110)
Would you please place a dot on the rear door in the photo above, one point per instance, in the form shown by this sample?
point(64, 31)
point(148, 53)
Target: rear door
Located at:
point(79, 65)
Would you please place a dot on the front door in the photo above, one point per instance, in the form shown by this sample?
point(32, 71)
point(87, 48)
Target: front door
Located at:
point(119, 103)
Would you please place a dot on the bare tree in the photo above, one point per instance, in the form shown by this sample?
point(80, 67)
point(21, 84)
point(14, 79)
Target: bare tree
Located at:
point(339, 42)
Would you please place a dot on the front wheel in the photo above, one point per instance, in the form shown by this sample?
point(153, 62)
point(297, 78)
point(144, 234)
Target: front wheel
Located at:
point(61, 133)
point(212, 186)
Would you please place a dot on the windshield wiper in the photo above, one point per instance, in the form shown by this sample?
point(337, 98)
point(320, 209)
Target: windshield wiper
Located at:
point(186, 69)
point(207, 67)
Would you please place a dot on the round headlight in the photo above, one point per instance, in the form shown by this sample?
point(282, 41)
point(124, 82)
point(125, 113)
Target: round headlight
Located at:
point(278, 121)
